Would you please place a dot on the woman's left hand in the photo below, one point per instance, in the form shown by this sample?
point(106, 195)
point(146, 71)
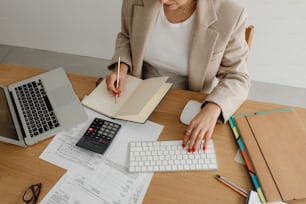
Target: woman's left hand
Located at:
point(201, 127)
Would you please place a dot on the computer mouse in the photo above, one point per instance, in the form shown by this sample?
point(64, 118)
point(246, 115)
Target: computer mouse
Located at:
point(191, 108)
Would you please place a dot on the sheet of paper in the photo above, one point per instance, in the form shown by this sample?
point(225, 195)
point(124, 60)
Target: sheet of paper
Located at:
point(238, 158)
point(107, 105)
point(253, 198)
point(63, 152)
point(108, 183)
point(94, 178)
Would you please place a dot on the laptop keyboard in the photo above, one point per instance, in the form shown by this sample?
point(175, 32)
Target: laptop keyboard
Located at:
point(159, 156)
point(36, 107)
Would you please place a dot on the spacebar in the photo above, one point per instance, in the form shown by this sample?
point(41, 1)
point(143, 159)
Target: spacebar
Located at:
point(46, 99)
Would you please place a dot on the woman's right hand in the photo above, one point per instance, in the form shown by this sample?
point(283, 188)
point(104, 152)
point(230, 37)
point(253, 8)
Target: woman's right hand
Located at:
point(111, 79)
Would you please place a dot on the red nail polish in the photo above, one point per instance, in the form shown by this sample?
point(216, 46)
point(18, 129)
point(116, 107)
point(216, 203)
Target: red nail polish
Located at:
point(183, 145)
point(189, 150)
point(204, 148)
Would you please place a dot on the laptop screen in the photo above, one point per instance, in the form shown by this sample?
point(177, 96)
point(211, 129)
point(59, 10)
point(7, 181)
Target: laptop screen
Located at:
point(7, 128)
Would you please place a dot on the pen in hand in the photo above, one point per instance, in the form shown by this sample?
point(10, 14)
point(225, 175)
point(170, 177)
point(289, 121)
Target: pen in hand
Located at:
point(233, 186)
point(117, 80)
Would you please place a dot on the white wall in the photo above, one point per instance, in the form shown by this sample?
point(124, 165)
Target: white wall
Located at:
point(83, 27)
point(278, 53)
point(89, 28)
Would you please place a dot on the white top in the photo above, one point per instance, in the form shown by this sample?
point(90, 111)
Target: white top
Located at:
point(169, 44)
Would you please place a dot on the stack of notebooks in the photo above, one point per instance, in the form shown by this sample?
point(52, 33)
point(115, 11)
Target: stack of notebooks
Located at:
point(273, 145)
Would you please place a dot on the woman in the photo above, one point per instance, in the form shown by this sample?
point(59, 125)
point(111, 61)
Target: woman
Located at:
point(199, 44)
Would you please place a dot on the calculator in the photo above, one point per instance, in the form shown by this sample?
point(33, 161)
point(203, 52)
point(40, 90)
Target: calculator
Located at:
point(99, 135)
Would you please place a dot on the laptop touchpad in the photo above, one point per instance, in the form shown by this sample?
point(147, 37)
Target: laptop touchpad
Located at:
point(63, 96)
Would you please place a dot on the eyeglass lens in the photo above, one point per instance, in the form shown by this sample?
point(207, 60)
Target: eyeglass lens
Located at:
point(32, 193)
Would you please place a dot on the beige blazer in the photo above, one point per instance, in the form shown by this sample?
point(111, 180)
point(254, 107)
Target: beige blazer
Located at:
point(217, 60)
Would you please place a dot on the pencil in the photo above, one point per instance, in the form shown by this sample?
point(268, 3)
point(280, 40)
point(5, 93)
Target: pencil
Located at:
point(232, 186)
point(117, 80)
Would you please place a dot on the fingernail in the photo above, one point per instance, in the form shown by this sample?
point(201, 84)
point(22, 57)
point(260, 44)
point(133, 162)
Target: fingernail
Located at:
point(189, 150)
point(183, 145)
point(204, 148)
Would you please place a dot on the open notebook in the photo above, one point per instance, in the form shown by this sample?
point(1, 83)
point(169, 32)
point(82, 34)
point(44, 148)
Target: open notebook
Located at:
point(137, 101)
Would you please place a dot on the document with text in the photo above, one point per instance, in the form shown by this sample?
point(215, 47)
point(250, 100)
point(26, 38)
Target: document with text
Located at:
point(95, 178)
point(63, 152)
point(108, 183)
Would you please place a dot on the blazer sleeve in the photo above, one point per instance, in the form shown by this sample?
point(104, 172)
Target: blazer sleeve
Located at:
point(234, 81)
point(122, 44)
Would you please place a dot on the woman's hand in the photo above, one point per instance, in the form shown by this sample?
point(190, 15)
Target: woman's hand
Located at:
point(201, 127)
point(111, 79)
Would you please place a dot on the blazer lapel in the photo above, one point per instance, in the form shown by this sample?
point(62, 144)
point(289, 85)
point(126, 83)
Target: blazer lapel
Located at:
point(204, 39)
point(143, 22)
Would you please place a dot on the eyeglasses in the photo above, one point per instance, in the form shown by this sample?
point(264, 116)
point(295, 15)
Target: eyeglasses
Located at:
point(30, 196)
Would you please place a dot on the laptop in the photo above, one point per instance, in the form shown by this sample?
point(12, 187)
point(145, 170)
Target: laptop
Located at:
point(37, 108)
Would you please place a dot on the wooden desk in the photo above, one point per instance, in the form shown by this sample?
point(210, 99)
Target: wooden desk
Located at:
point(20, 167)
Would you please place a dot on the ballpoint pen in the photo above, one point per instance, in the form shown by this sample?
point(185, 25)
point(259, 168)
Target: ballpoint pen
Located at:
point(117, 80)
point(233, 186)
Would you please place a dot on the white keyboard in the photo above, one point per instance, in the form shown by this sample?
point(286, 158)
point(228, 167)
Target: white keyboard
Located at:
point(157, 156)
